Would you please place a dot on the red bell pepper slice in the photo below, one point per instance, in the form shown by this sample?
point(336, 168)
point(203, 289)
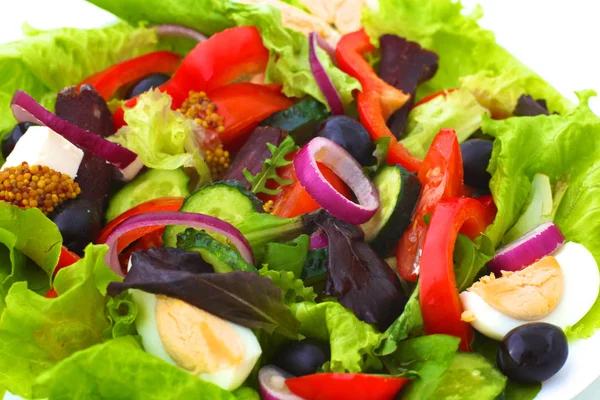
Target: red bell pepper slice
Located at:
point(432, 96)
point(378, 100)
point(440, 302)
point(110, 80)
point(336, 386)
point(149, 240)
point(441, 176)
point(65, 259)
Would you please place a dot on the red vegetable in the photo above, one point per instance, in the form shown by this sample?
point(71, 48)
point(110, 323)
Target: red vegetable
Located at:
point(441, 176)
point(110, 80)
point(271, 381)
point(334, 386)
point(432, 96)
point(440, 302)
point(378, 100)
point(65, 259)
point(323, 80)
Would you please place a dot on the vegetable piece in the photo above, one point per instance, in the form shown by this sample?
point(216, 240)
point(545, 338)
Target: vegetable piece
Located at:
point(526, 250)
point(293, 288)
point(404, 65)
point(79, 224)
point(152, 184)
point(315, 266)
point(399, 191)
point(469, 258)
point(318, 240)
point(335, 157)
point(428, 98)
point(356, 274)
point(26, 109)
point(271, 381)
point(109, 81)
point(440, 303)
point(333, 386)
point(300, 120)
point(223, 258)
point(320, 73)
point(351, 135)
point(167, 30)
point(269, 168)
point(161, 218)
point(476, 155)
point(302, 357)
point(254, 153)
point(226, 200)
point(538, 209)
point(533, 352)
point(232, 296)
point(441, 176)
point(528, 107)
point(289, 256)
point(67, 258)
point(378, 100)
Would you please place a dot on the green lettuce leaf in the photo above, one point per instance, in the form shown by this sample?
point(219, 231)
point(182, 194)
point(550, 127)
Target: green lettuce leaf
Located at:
point(352, 341)
point(463, 46)
point(112, 371)
point(288, 256)
point(469, 258)
point(121, 312)
point(565, 148)
point(408, 324)
point(44, 62)
point(36, 332)
point(160, 136)
point(288, 65)
point(458, 110)
point(293, 288)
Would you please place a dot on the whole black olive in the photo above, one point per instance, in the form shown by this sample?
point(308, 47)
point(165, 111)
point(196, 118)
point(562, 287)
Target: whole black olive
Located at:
point(10, 140)
point(533, 352)
point(351, 135)
point(149, 82)
point(79, 224)
point(476, 155)
point(303, 357)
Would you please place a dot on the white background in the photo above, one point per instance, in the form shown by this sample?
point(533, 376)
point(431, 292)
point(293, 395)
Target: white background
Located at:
point(557, 39)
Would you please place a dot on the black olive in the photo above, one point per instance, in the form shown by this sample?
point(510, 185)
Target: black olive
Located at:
point(351, 135)
point(79, 224)
point(533, 352)
point(476, 155)
point(143, 85)
point(303, 357)
point(10, 140)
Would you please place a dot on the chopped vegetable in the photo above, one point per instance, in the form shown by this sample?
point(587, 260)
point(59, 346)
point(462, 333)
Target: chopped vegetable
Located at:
point(269, 168)
point(320, 73)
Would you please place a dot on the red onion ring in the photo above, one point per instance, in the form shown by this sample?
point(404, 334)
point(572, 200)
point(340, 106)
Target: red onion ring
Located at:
point(179, 31)
point(159, 218)
point(26, 109)
point(528, 249)
point(318, 240)
point(271, 382)
point(348, 169)
point(323, 80)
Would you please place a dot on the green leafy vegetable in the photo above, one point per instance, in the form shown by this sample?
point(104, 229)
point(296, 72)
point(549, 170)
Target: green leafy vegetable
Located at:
point(222, 257)
point(469, 258)
point(269, 169)
point(112, 371)
point(243, 298)
point(293, 288)
point(161, 137)
point(464, 48)
point(382, 146)
point(352, 341)
point(289, 256)
point(458, 109)
point(246, 393)
point(121, 313)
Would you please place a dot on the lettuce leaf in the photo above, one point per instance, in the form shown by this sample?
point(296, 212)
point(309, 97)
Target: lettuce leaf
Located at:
point(352, 341)
point(463, 46)
point(288, 65)
point(293, 288)
point(408, 324)
point(112, 371)
point(44, 62)
point(288, 256)
point(36, 332)
point(567, 150)
point(458, 109)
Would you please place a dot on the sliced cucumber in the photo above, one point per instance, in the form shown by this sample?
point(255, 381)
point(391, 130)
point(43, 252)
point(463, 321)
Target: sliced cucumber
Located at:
point(227, 200)
point(399, 191)
point(150, 185)
point(300, 120)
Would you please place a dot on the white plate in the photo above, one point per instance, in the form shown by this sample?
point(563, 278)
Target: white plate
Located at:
point(558, 40)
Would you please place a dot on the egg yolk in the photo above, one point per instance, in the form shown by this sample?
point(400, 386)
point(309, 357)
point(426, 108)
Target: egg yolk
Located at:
point(196, 340)
point(528, 295)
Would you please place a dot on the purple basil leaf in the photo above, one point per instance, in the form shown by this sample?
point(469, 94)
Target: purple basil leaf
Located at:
point(360, 278)
point(404, 65)
point(528, 107)
point(244, 298)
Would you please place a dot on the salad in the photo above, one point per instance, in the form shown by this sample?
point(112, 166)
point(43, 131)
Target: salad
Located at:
point(287, 200)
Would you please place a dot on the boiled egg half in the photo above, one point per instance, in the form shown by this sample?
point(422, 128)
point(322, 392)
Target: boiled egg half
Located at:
point(558, 289)
point(207, 346)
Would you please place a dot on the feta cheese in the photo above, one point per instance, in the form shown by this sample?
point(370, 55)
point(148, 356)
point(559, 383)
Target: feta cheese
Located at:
point(40, 145)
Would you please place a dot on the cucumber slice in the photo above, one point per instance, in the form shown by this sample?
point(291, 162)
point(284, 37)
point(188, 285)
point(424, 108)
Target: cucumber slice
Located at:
point(399, 191)
point(227, 200)
point(150, 185)
point(300, 120)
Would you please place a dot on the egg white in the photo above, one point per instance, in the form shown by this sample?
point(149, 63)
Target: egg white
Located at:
point(581, 285)
point(228, 379)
